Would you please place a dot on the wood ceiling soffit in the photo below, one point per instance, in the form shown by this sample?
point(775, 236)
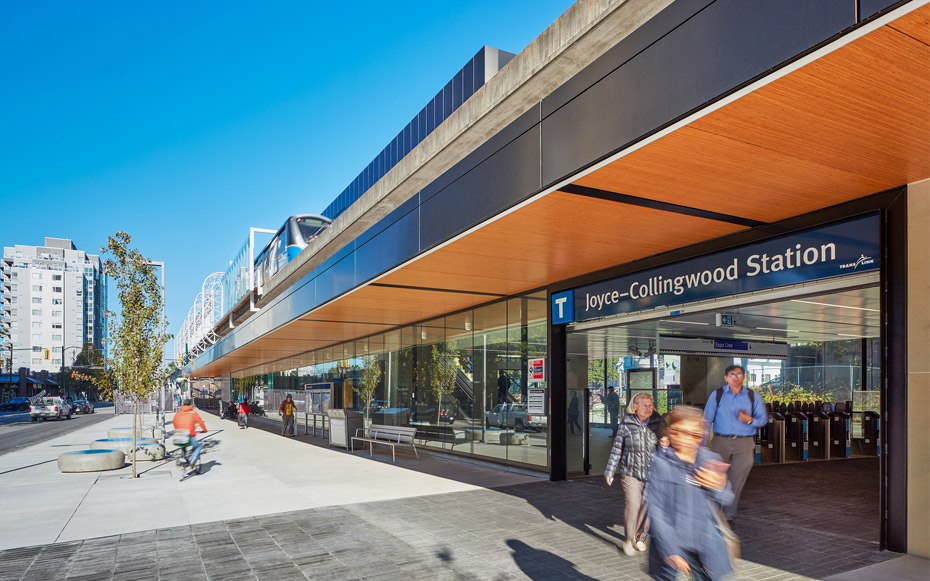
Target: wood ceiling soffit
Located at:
point(873, 119)
point(602, 234)
point(852, 123)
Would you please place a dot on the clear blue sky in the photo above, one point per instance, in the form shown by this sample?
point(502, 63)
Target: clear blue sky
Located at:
point(185, 123)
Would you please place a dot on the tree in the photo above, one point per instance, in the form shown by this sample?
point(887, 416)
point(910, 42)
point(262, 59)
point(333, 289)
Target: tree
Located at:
point(442, 374)
point(371, 377)
point(138, 336)
point(87, 373)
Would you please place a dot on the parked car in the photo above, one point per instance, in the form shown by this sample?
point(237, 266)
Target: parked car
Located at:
point(514, 416)
point(17, 404)
point(50, 407)
point(82, 407)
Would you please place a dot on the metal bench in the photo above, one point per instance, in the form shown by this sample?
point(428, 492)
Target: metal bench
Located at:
point(443, 434)
point(389, 436)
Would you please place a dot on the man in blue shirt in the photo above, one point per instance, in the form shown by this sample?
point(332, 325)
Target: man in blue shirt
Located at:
point(735, 415)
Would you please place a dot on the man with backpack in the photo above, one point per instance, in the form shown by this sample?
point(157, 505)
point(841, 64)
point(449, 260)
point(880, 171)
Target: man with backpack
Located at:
point(735, 414)
point(286, 411)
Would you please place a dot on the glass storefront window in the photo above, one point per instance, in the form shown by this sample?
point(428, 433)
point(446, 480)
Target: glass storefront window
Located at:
point(461, 379)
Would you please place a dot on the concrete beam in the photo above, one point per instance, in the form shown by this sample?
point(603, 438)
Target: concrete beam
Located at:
point(582, 34)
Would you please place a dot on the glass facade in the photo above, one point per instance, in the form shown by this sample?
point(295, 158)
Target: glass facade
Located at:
point(462, 379)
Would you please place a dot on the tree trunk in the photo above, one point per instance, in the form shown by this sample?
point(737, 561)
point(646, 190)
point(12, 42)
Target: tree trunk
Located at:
point(135, 411)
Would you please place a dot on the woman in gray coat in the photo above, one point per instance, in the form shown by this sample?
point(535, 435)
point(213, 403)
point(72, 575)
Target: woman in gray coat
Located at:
point(636, 442)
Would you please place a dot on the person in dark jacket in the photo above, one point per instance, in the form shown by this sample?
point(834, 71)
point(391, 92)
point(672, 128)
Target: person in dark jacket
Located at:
point(574, 410)
point(612, 402)
point(636, 442)
point(686, 486)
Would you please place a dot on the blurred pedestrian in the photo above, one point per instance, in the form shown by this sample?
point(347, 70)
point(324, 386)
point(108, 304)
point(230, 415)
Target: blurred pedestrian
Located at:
point(636, 443)
point(286, 411)
point(612, 402)
point(685, 488)
point(244, 412)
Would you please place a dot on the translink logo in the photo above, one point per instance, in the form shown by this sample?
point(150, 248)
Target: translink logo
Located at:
point(563, 307)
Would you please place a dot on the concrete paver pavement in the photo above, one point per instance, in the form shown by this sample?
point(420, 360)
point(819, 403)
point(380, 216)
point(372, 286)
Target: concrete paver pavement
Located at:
point(268, 507)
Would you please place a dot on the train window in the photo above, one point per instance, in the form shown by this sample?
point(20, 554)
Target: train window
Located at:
point(310, 227)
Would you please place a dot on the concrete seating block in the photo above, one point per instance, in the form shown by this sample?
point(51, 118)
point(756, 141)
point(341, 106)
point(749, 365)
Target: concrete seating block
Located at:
point(148, 453)
point(122, 444)
point(141, 432)
point(473, 433)
point(91, 460)
point(514, 438)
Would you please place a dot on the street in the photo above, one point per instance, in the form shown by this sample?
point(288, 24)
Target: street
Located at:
point(18, 431)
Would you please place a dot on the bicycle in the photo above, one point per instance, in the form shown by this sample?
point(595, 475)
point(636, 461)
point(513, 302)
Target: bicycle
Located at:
point(182, 441)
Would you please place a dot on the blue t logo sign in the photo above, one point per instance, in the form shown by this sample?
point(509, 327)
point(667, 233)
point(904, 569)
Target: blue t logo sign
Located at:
point(563, 307)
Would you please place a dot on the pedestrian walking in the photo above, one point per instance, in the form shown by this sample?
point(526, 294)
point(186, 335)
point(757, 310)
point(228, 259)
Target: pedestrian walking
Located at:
point(286, 411)
point(685, 488)
point(612, 401)
point(503, 386)
point(244, 412)
point(636, 443)
point(735, 413)
point(574, 410)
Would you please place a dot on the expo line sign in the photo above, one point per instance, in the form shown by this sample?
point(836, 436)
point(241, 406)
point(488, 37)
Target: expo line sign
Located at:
point(823, 252)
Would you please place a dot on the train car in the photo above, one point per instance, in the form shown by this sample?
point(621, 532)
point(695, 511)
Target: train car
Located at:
point(287, 243)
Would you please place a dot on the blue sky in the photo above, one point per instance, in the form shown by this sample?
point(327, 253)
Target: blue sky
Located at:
point(185, 123)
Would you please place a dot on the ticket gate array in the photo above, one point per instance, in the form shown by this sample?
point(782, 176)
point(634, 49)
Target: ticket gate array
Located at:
point(797, 432)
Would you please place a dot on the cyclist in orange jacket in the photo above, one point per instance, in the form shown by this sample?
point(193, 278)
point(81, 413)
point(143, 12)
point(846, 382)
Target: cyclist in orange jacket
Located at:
point(187, 419)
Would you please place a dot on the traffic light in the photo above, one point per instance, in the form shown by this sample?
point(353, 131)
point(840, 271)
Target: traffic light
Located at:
point(45, 354)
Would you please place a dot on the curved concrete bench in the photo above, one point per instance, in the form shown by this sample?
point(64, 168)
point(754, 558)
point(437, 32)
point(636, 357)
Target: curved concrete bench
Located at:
point(141, 432)
point(148, 452)
point(122, 444)
point(473, 433)
point(91, 460)
point(514, 438)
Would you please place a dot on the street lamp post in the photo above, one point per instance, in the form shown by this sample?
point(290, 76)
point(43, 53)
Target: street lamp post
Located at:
point(160, 413)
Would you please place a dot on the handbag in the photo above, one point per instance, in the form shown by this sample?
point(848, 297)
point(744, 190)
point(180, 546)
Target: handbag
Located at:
point(729, 537)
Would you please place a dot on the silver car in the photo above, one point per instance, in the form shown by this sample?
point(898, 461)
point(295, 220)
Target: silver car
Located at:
point(513, 416)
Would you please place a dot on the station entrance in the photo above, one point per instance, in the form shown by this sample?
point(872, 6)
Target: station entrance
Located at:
point(813, 354)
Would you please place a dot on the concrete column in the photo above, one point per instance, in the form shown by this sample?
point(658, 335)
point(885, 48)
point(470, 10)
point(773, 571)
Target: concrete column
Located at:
point(700, 376)
point(918, 369)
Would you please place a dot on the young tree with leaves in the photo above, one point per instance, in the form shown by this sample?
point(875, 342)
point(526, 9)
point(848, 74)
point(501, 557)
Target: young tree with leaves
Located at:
point(442, 374)
point(371, 377)
point(138, 336)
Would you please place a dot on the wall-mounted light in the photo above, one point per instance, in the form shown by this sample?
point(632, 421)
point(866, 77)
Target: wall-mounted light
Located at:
point(422, 334)
point(468, 325)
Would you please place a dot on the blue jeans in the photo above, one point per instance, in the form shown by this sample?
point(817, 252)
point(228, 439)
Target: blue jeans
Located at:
point(197, 447)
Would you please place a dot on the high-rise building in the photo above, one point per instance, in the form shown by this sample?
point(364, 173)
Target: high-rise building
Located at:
point(52, 303)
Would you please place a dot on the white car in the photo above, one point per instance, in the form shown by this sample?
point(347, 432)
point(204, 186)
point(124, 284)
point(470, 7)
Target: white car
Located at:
point(50, 407)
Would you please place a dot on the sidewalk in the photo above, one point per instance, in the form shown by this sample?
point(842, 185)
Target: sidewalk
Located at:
point(245, 473)
point(268, 507)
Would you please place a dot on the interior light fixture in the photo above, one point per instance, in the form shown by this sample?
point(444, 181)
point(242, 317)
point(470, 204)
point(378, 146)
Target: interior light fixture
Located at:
point(422, 334)
point(849, 335)
point(683, 322)
point(779, 330)
point(468, 325)
point(837, 306)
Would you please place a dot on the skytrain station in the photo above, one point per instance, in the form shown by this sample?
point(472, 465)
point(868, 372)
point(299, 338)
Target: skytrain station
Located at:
point(646, 194)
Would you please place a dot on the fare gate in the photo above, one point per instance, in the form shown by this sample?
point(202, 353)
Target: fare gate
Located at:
point(840, 435)
point(772, 440)
point(818, 435)
point(871, 434)
point(796, 442)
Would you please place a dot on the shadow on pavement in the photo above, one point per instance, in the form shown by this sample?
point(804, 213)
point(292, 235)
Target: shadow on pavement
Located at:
point(538, 564)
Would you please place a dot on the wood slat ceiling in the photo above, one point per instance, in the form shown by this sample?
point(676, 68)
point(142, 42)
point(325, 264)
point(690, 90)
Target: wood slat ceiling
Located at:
point(852, 123)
